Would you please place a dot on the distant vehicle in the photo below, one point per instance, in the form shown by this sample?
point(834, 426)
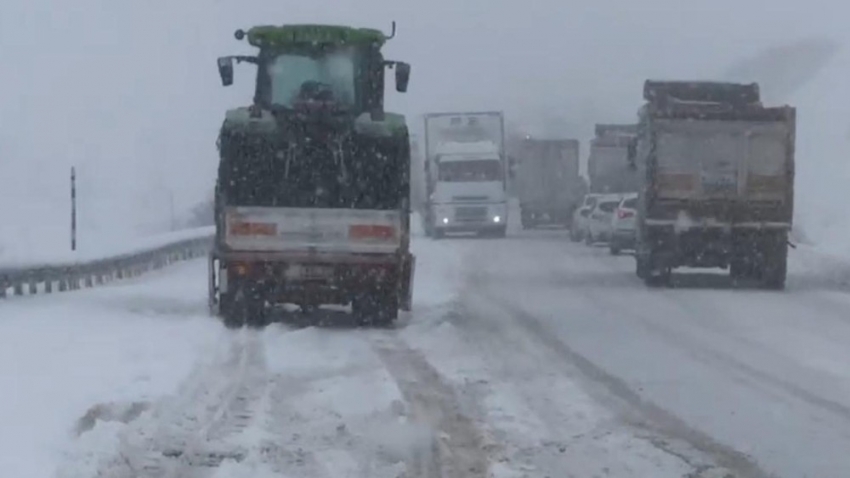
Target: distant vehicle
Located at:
point(547, 183)
point(312, 201)
point(718, 181)
point(466, 174)
point(607, 163)
point(599, 220)
point(624, 225)
point(580, 217)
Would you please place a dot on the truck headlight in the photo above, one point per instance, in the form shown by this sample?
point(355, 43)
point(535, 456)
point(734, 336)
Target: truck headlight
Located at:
point(445, 220)
point(497, 219)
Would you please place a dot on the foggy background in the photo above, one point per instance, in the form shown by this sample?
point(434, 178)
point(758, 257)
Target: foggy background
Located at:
point(129, 92)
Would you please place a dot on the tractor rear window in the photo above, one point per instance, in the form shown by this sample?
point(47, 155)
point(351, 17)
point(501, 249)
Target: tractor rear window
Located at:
point(296, 78)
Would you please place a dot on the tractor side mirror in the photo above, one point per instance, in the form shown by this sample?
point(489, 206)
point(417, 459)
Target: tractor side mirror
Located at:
point(402, 76)
point(631, 155)
point(225, 70)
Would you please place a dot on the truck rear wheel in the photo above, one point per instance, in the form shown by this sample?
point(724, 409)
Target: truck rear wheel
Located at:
point(653, 273)
point(232, 311)
point(774, 269)
point(641, 266)
point(379, 308)
point(525, 219)
point(238, 312)
point(660, 278)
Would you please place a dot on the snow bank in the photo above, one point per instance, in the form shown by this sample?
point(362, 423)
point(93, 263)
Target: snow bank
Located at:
point(60, 356)
point(823, 170)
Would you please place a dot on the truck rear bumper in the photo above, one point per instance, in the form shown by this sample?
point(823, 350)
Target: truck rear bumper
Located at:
point(311, 279)
point(716, 246)
point(707, 224)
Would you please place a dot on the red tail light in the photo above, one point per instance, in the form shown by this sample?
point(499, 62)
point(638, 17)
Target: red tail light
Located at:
point(622, 214)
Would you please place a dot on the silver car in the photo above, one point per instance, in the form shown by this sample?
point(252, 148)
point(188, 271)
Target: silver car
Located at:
point(624, 225)
point(600, 217)
point(579, 225)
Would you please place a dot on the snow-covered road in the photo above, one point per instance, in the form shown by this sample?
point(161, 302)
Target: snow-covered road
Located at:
point(528, 356)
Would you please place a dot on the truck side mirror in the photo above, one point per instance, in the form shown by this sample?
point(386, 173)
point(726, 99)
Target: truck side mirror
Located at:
point(631, 155)
point(225, 70)
point(402, 76)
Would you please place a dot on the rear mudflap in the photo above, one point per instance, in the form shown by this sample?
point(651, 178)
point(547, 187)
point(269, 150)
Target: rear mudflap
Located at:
point(408, 272)
point(213, 299)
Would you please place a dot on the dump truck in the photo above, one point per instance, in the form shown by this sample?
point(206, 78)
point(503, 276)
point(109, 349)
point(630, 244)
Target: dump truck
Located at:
point(607, 166)
point(717, 172)
point(547, 181)
point(466, 173)
point(312, 197)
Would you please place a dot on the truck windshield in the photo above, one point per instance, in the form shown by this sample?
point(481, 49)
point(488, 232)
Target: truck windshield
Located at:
point(471, 171)
point(301, 77)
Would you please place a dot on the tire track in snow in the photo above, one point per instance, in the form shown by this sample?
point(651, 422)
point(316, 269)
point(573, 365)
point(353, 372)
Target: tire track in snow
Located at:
point(457, 446)
point(753, 375)
point(654, 418)
point(187, 435)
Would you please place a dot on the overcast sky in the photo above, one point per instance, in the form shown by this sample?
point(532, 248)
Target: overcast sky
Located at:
point(128, 90)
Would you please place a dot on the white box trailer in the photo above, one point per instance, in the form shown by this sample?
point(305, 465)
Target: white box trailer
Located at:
point(466, 173)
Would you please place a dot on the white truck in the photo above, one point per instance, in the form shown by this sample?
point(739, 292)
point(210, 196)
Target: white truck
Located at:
point(465, 169)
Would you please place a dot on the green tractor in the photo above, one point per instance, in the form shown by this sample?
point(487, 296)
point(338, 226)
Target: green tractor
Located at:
point(312, 198)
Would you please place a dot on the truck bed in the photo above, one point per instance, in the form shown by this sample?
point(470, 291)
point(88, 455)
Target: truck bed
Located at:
point(312, 230)
point(723, 160)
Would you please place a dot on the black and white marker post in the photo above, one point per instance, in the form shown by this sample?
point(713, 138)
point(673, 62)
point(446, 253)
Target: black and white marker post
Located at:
point(73, 209)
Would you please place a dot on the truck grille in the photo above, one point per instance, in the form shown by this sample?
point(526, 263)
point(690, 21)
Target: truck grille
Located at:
point(471, 214)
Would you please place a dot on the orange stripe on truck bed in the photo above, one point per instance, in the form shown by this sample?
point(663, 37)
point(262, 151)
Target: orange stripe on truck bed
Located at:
point(757, 183)
point(253, 229)
point(676, 182)
point(371, 231)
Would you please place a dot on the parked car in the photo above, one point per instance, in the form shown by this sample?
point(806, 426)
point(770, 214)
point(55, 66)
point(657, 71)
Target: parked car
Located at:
point(599, 220)
point(624, 225)
point(578, 227)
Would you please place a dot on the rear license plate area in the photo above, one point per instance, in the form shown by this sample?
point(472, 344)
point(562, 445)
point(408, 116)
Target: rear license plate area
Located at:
point(308, 272)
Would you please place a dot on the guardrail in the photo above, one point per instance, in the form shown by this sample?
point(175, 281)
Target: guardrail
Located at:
point(45, 279)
